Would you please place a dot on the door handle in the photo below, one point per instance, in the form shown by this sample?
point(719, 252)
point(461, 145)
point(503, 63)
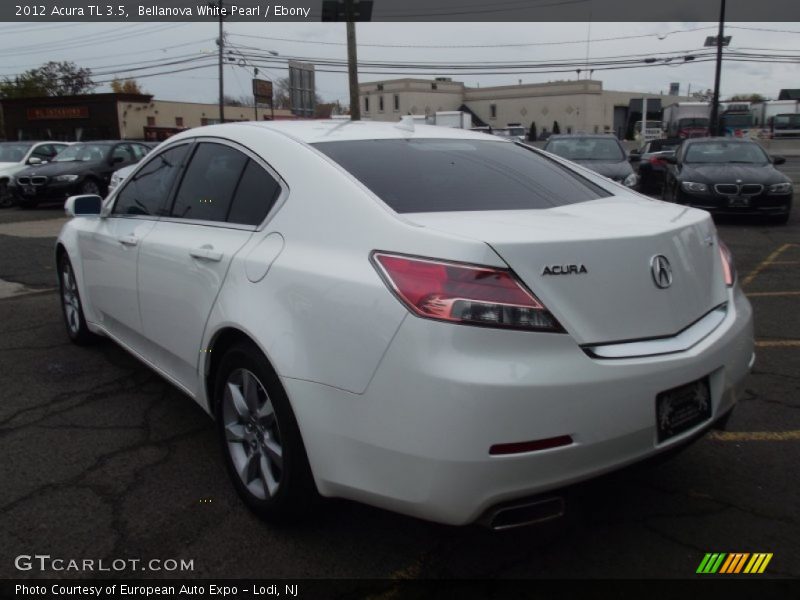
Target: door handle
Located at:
point(128, 240)
point(206, 253)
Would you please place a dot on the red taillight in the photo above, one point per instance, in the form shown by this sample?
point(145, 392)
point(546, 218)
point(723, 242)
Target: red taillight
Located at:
point(462, 293)
point(657, 162)
point(728, 268)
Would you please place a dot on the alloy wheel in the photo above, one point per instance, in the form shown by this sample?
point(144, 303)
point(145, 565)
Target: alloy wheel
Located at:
point(252, 435)
point(70, 299)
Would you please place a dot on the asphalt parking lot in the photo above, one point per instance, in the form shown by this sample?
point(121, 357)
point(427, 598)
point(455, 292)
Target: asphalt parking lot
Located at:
point(104, 459)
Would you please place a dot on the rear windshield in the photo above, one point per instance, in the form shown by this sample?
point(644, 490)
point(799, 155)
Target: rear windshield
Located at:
point(576, 148)
point(432, 175)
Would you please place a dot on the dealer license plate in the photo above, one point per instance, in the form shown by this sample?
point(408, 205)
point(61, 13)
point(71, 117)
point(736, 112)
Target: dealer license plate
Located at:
point(29, 190)
point(682, 408)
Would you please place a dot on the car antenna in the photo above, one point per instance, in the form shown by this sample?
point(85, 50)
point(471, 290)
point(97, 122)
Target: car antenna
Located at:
point(406, 123)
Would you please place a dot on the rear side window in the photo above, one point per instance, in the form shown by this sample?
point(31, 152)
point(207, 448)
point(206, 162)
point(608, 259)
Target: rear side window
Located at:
point(209, 183)
point(255, 195)
point(432, 175)
point(148, 191)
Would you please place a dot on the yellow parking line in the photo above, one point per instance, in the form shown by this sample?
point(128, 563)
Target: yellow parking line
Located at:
point(755, 436)
point(778, 344)
point(785, 262)
point(765, 263)
point(765, 294)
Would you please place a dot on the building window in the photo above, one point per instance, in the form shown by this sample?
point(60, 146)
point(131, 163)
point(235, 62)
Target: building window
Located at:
point(178, 121)
point(380, 87)
point(434, 86)
point(493, 111)
point(380, 103)
point(151, 121)
point(366, 104)
point(396, 102)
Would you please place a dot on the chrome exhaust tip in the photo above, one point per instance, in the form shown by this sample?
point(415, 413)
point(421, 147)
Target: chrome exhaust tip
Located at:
point(522, 514)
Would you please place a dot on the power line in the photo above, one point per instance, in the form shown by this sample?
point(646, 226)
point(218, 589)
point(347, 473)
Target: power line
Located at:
point(461, 46)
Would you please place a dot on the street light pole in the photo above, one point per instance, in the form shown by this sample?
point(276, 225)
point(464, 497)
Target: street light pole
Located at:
point(220, 43)
point(715, 102)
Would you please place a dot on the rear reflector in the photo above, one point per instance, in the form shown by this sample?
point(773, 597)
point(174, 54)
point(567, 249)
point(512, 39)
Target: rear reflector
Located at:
point(533, 446)
point(462, 293)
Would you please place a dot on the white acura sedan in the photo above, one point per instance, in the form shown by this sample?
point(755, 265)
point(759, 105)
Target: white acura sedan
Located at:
point(437, 322)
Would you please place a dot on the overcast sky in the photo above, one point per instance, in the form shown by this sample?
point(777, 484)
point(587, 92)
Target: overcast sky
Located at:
point(103, 45)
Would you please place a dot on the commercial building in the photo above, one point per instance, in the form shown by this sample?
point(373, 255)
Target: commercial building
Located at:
point(578, 105)
point(115, 116)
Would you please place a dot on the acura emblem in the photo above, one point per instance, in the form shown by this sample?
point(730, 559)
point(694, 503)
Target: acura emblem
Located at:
point(661, 271)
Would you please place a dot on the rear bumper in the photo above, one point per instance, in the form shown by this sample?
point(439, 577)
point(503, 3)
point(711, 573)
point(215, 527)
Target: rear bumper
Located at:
point(417, 441)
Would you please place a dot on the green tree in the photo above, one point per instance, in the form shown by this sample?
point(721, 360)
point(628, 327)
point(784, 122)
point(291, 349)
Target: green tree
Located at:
point(51, 79)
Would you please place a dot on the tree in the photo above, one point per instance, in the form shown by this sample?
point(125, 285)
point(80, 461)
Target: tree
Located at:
point(51, 79)
point(747, 98)
point(231, 101)
point(532, 132)
point(556, 128)
point(126, 86)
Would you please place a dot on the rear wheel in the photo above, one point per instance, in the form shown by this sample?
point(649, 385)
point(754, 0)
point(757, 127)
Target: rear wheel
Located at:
point(260, 439)
point(71, 306)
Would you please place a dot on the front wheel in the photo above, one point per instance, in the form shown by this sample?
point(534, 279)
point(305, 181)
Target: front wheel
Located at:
point(90, 187)
point(260, 439)
point(71, 306)
point(6, 199)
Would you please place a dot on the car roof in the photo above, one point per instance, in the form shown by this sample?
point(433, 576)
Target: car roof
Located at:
point(318, 131)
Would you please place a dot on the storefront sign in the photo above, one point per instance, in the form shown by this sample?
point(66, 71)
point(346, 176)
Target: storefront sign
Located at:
point(54, 112)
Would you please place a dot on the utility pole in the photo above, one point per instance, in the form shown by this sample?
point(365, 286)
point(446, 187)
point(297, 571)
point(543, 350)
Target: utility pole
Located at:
point(352, 63)
point(715, 102)
point(221, 44)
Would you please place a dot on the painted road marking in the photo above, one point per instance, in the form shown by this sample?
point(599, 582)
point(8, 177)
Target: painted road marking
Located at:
point(755, 436)
point(765, 263)
point(778, 344)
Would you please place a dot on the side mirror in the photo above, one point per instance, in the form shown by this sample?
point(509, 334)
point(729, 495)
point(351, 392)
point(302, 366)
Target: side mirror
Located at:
point(35, 160)
point(778, 160)
point(83, 206)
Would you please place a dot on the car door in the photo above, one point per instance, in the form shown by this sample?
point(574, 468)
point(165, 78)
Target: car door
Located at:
point(110, 252)
point(185, 259)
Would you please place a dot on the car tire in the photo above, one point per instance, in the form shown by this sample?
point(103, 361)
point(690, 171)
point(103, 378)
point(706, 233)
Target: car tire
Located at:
point(90, 186)
point(260, 439)
point(71, 305)
point(6, 198)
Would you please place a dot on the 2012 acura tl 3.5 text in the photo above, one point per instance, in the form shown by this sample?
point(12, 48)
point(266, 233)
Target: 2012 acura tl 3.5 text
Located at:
point(433, 321)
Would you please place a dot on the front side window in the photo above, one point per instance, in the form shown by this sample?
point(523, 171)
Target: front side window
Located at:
point(209, 183)
point(147, 192)
point(437, 175)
